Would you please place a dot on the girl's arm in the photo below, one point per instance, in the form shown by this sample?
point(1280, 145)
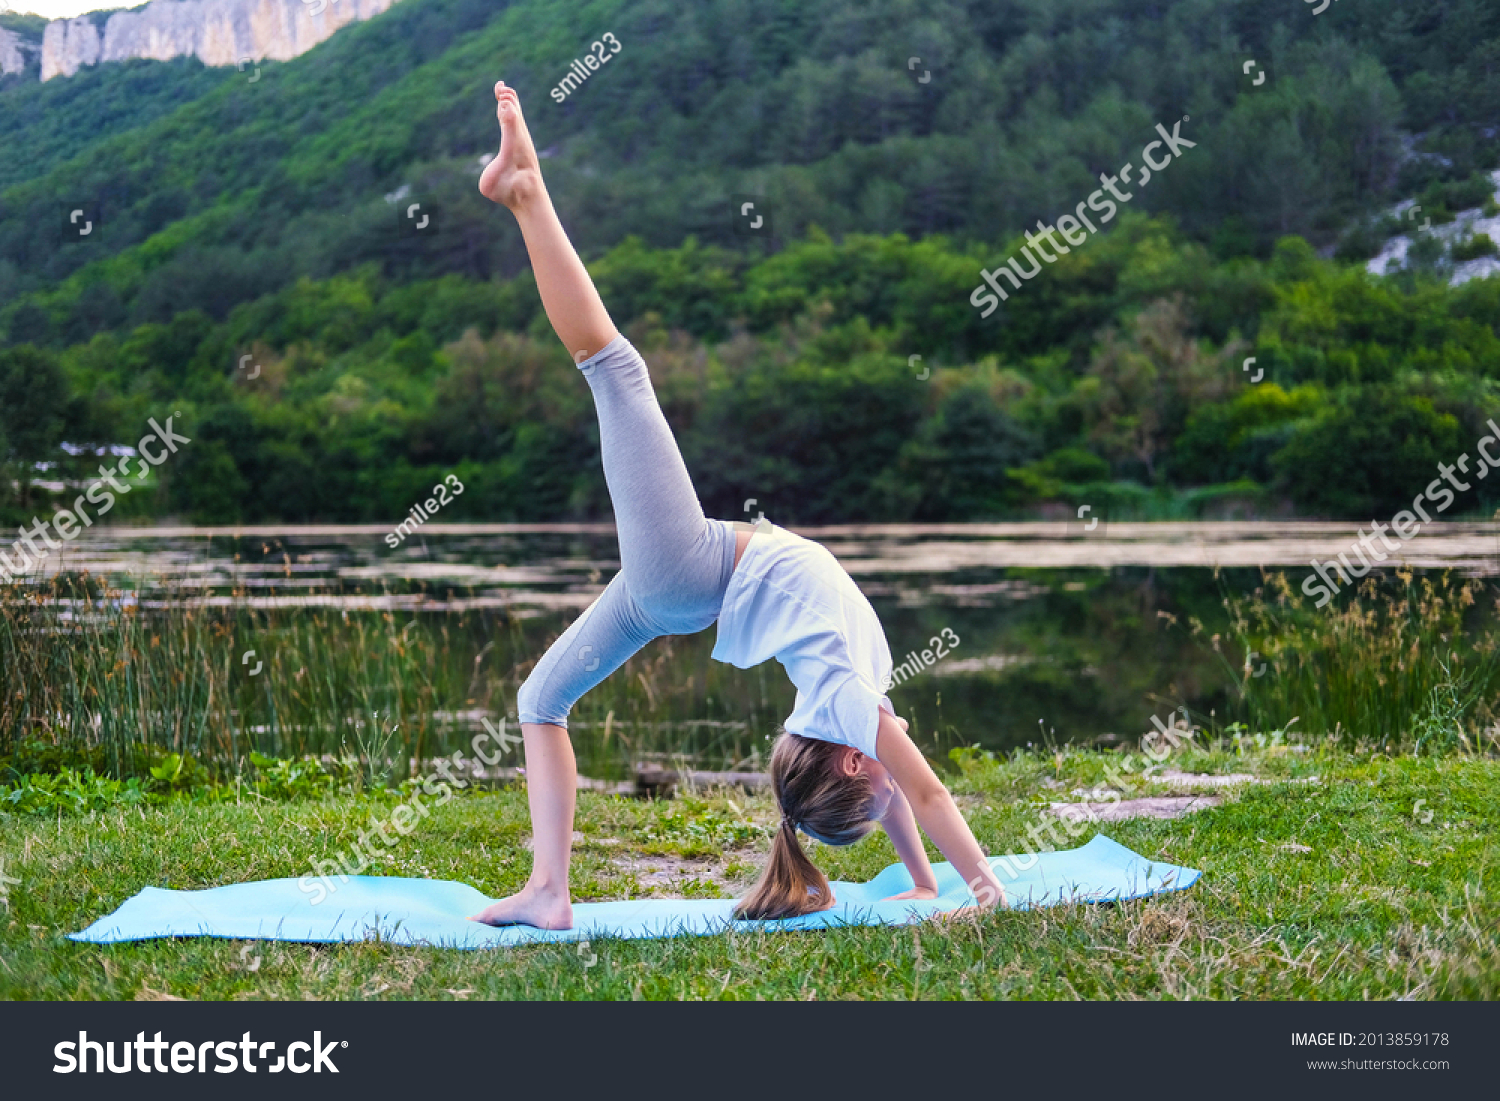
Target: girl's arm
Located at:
point(935, 810)
point(901, 828)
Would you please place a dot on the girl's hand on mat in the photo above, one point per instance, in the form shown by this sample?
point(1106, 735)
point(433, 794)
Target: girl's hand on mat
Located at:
point(925, 894)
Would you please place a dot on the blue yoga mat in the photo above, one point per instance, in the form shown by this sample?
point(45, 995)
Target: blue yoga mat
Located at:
point(435, 912)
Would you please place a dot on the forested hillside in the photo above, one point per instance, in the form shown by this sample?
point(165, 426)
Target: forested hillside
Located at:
point(896, 149)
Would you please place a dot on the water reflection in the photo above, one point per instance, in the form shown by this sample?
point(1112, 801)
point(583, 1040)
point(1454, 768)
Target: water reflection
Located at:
point(1068, 638)
point(566, 565)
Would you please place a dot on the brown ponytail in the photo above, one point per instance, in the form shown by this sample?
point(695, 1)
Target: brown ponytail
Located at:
point(816, 797)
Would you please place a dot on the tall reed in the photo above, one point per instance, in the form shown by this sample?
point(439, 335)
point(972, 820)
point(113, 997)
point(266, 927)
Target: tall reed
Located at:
point(1402, 664)
point(87, 666)
point(117, 673)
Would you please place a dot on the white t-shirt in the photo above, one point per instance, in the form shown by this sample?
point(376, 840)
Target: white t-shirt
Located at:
point(790, 599)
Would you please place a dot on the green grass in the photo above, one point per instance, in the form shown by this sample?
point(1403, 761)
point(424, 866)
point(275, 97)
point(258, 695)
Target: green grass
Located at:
point(1331, 889)
point(1363, 867)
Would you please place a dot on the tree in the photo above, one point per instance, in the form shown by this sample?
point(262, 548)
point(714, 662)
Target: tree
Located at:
point(1369, 456)
point(33, 408)
point(957, 465)
point(1140, 388)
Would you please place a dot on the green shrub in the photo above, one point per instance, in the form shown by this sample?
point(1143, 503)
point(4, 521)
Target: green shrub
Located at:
point(1364, 240)
point(70, 791)
point(1472, 248)
point(1061, 474)
point(1235, 440)
point(304, 777)
point(1465, 194)
point(1364, 456)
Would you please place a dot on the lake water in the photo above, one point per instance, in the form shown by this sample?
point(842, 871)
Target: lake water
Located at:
point(1062, 633)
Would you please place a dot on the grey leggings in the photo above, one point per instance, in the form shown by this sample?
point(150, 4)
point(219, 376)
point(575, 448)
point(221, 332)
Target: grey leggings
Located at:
point(675, 563)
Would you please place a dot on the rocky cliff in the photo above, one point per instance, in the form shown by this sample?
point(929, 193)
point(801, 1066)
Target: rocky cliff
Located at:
point(217, 32)
point(16, 49)
point(11, 60)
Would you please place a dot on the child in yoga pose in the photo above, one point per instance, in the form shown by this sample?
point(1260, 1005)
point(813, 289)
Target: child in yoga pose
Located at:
point(844, 763)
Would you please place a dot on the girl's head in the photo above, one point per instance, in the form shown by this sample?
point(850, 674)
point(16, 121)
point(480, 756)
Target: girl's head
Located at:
point(833, 793)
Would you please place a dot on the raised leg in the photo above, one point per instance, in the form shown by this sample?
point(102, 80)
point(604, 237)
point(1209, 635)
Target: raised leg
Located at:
point(676, 559)
point(514, 179)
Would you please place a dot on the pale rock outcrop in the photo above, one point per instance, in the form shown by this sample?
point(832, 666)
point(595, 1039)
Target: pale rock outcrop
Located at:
point(14, 51)
point(217, 32)
point(68, 45)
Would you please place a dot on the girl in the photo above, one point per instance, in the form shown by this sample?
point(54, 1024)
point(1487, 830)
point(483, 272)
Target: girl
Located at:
point(844, 763)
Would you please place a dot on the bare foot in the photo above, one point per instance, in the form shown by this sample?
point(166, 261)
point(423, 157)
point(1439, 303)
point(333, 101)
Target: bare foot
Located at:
point(530, 906)
point(514, 177)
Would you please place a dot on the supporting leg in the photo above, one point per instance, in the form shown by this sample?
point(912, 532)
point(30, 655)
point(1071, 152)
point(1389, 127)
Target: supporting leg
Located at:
point(595, 644)
point(551, 790)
